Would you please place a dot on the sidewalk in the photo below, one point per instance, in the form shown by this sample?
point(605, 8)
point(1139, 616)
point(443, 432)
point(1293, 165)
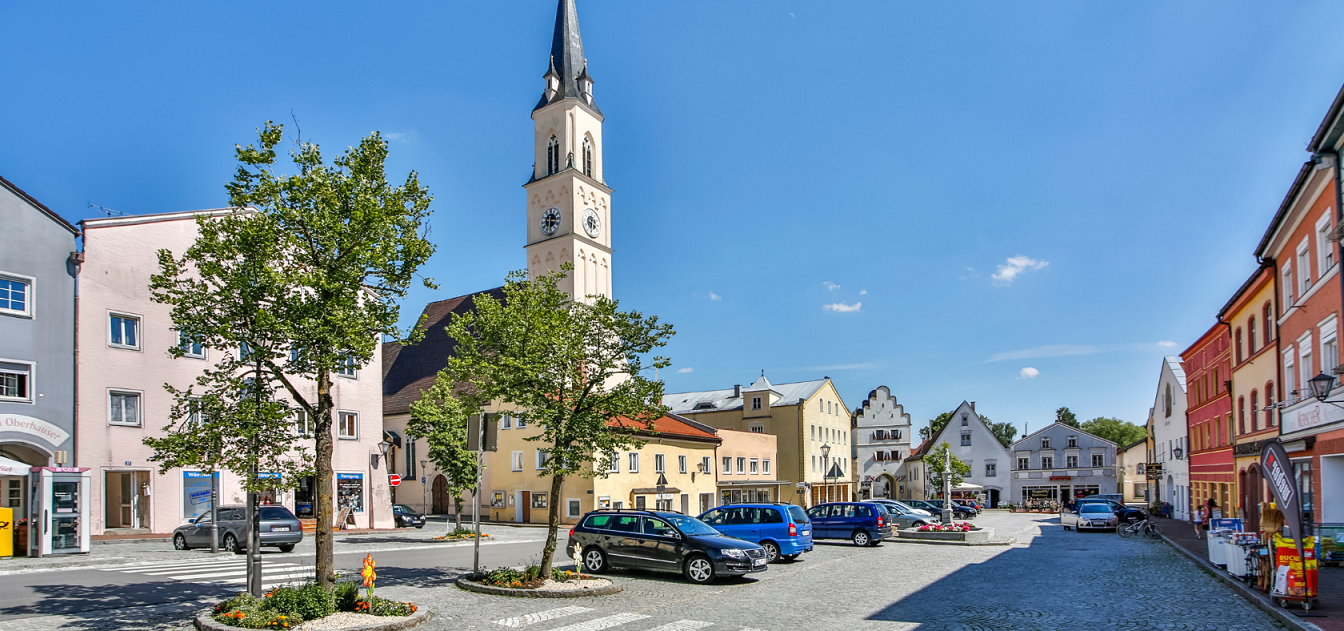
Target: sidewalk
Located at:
point(1330, 587)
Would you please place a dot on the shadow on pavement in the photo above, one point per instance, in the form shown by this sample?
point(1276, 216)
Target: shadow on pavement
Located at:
point(95, 600)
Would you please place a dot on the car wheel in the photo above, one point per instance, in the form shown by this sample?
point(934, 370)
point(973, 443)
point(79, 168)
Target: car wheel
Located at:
point(420, 526)
point(861, 538)
point(231, 545)
point(286, 547)
point(594, 561)
point(771, 551)
point(699, 570)
point(180, 542)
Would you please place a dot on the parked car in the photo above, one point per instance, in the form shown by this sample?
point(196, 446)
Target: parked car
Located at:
point(407, 518)
point(903, 519)
point(1126, 514)
point(864, 523)
point(906, 507)
point(1118, 498)
point(783, 530)
point(936, 507)
point(1090, 516)
point(662, 541)
point(279, 528)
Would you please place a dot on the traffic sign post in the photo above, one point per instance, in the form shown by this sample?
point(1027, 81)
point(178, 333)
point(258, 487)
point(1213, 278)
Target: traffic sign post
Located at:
point(393, 479)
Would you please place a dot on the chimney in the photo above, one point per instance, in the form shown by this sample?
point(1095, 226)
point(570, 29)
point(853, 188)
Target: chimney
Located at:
point(737, 390)
point(972, 406)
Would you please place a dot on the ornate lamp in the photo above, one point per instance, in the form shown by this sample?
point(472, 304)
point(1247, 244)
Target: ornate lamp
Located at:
point(1320, 386)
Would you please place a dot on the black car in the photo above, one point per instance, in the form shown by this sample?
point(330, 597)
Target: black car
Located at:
point(655, 540)
point(959, 511)
point(1126, 514)
point(407, 518)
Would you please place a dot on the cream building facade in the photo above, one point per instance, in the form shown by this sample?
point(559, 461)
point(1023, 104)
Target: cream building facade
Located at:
point(882, 443)
point(747, 466)
point(809, 419)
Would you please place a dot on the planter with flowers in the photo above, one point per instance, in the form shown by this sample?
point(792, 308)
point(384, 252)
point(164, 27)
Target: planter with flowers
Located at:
point(963, 531)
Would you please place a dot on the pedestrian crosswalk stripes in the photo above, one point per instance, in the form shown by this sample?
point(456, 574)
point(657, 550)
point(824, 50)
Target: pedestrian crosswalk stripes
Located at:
point(227, 571)
point(683, 625)
point(604, 623)
point(533, 618)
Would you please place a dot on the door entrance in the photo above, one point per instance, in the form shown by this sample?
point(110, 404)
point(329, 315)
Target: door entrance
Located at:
point(993, 498)
point(441, 499)
point(128, 499)
point(525, 506)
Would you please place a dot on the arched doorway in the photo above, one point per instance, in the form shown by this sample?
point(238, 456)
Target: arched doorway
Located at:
point(886, 487)
point(442, 502)
point(1252, 493)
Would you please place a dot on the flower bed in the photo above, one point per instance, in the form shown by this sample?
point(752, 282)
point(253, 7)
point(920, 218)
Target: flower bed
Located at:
point(288, 607)
point(964, 526)
point(528, 578)
point(458, 534)
point(529, 582)
point(963, 532)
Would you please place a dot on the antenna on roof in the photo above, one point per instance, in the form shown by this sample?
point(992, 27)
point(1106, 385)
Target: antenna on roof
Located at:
point(108, 211)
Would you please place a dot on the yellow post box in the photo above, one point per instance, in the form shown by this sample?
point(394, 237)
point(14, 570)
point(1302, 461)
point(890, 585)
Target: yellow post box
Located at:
point(6, 533)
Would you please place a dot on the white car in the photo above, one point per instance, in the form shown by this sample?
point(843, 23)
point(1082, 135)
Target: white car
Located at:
point(1090, 516)
point(906, 508)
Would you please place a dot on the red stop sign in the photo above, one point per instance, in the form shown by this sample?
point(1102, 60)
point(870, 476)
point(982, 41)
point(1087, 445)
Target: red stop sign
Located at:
point(393, 479)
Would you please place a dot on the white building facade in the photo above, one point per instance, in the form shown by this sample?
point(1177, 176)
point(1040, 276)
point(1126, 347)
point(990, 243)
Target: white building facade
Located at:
point(881, 444)
point(972, 441)
point(1169, 435)
point(1062, 462)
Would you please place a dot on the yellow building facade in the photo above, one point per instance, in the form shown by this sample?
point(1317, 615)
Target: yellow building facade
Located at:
point(1254, 385)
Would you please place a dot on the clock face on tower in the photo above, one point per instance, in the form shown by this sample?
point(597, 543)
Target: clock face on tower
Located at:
point(592, 224)
point(550, 221)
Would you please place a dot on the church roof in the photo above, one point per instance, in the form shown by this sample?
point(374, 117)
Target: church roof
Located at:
point(410, 370)
point(567, 60)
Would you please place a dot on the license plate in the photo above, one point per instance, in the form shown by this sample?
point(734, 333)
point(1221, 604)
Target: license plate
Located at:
point(807, 532)
point(279, 528)
point(758, 562)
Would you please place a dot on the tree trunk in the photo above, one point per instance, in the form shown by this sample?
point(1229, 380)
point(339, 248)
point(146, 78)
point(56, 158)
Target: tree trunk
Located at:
point(552, 526)
point(457, 521)
point(322, 476)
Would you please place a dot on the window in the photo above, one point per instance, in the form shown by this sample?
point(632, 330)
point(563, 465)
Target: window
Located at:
point(348, 367)
point(681, 464)
point(614, 464)
point(659, 463)
point(190, 347)
point(124, 408)
point(821, 406)
point(1167, 401)
point(16, 382)
point(16, 295)
point(1023, 464)
point(741, 466)
point(965, 439)
point(755, 403)
point(1250, 336)
point(755, 464)
point(1070, 462)
point(991, 470)
point(347, 425)
point(517, 460)
point(506, 422)
point(1305, 359)
point(1269, 400)
point(1303, 271)
point(1287, 286)
point(1241, 415)
point(1045, 442)
point(124, 331)
point(965, 419)
point(542, 458)
point(1237, 337)
point(552, 156)
point(303, 423)
point(1047, 462)
point(1097, 460)
point(587, 156)
point(410, 457)
point(1289, 378)
point(1072, 441)
point(1325, 246)
point(243, 352)
point(634, 462)
point(1329, 355)
point(757, 429)
point(765, 466)
point(520, 423)
point(707, 465)
point(1269, 323)
point(814, 432)
point(814, 464)
point(728, 465)
point(572, 508)
point(1255, 411)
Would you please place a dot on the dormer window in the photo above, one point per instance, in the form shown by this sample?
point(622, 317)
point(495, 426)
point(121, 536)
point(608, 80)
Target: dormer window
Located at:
point(588, 156)
point(1045, 444)
point(552, 156)
point(1073, 441)
point(755, 403)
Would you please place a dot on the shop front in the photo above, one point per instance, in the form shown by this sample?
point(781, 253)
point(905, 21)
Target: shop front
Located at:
point(735, 492)
point(1065, 489)
point(50, 504)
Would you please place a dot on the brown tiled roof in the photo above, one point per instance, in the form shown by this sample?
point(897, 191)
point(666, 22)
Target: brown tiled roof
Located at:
point(409, 370)
point(670, 425)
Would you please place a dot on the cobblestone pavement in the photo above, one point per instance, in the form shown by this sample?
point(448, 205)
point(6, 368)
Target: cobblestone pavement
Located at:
point(1050, 580)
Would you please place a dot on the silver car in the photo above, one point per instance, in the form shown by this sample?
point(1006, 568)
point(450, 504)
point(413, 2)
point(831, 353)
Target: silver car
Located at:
point(906, 508)
point(902, 520)
point(1090, 516)
point(279, 528)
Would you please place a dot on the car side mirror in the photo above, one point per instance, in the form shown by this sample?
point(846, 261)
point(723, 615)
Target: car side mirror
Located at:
point(191, 521)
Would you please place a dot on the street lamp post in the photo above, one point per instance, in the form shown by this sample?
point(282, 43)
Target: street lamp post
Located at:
point(424, 488)
point(947, 487)
point(826, 466)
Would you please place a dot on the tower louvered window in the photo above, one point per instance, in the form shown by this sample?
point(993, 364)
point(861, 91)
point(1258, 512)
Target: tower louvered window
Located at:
point(588, 157)
point(552, 156)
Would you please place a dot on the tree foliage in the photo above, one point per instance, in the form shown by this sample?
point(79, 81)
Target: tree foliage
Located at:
point(1066, 416)
point(440, 417)
point(935, 424)
point(1122, 433)
point(573, 368)
point(306, 272)
point(1004, 431)
point(936, 465)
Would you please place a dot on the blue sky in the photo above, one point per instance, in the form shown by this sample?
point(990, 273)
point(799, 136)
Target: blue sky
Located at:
point(1025, 205)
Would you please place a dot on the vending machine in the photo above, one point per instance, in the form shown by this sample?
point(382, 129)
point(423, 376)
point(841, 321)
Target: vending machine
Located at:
point(59, 510)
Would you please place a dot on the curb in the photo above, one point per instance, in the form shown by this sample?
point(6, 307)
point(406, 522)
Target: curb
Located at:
point(472, 586)
point(204, 622)
point(1259, 600)
point(935, 542)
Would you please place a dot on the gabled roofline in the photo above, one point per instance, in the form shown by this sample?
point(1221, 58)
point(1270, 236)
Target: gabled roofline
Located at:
point(1299, 182)
point(1241, 291)
point(1024, 438)
point(1329, 128)
point(51, 214)
point(131, 220)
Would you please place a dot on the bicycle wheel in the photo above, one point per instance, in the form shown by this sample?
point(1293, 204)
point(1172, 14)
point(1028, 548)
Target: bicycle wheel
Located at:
point(1126, 530)
point(1151, 531)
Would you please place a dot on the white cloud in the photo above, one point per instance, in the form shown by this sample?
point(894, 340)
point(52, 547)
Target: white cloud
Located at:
point(1016, 265)
point(863, 292)
point(831, 286)
point(1166, 343)
point(1028, 373)
point(395, 136)
point(685, 370)
point(715, 297)
point(840, 307)
point(1051, 350)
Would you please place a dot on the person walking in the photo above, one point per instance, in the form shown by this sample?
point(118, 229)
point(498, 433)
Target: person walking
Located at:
point(1198, 521)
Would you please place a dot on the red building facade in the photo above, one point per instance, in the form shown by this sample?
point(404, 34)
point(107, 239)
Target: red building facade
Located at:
point(1208, 375)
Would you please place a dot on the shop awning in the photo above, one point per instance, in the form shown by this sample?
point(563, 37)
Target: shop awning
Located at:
point(653, 490)
point(967, 486)
point(13, 467)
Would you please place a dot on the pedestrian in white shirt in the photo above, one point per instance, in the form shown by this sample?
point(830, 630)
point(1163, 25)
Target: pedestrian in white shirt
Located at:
point(1199, 521)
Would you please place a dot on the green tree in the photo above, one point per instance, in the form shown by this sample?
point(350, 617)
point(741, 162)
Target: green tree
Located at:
point(1122, 433)
point(440, 417)
point(1003, 431)
point(574, 368)
point(306, 273)
point(936, 424)
point(1066, 416)
point(936, 464)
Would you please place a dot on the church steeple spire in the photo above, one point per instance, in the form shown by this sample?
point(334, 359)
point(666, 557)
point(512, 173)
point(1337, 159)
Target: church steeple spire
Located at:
point(568, 65)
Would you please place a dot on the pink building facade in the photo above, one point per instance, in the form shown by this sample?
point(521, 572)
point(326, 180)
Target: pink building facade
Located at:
point(123, 363)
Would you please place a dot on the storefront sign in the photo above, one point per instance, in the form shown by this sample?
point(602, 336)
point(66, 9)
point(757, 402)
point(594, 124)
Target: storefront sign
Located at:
point(1312, 415)
point(1060, 477)
point(1248, 449)
point(350, 491)
point(49, 434)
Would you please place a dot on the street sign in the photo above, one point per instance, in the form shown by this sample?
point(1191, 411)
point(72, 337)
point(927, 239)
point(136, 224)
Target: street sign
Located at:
point(393, 479)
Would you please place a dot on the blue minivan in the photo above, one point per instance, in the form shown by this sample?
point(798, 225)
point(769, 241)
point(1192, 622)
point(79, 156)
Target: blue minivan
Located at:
point(782, 529)
point(864, 523)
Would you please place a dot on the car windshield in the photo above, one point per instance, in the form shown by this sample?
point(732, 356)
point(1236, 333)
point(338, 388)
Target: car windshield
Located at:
point(903, 506)
point(799, 515)
point(688, 525)
point(1096, 508)
point(401, 508)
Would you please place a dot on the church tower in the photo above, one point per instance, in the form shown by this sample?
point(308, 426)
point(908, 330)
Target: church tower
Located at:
point(568, 204)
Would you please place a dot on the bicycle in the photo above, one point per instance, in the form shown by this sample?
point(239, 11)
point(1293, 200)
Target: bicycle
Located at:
point(1144, 526)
